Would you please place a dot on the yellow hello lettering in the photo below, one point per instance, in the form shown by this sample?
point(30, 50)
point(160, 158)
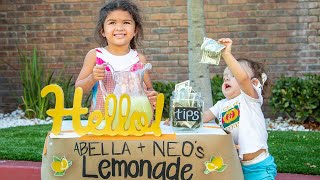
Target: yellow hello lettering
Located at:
point(138, 121)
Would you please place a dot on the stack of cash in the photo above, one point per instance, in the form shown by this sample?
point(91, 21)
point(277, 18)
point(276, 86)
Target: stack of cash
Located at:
point(184, 95)
point(211, 51)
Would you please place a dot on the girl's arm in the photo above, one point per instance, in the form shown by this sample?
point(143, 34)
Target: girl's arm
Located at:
point(90, 73)
point(241, 75)
point(150, 92)
point(146, 77)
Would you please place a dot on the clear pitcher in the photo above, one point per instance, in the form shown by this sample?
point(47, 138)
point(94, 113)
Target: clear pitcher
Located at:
point(131, 83)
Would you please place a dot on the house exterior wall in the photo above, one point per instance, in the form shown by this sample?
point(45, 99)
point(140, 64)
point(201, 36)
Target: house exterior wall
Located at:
point(284, 34)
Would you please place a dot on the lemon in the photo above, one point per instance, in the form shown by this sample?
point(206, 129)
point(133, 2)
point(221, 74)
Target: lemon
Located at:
point(64, 164)
point(218, 162)
point(56, 166)
point(211, 166)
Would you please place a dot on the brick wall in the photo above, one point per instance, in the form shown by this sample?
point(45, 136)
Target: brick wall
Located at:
point(282, 33)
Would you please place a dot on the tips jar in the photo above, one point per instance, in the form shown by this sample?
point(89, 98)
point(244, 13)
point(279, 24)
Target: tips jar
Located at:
point(186, 112)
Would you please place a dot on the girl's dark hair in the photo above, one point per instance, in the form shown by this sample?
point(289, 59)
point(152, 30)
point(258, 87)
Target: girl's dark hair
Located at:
point(258, 69)
point(125, 5)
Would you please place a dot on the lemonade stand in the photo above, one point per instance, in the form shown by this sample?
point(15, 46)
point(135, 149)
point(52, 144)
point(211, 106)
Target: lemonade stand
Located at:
point(87, 150)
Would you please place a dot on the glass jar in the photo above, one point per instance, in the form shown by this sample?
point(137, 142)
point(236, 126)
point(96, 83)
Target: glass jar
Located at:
point(186, 112)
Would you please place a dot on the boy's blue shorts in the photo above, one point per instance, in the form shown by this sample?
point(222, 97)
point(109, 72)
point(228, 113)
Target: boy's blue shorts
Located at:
point(265, 170)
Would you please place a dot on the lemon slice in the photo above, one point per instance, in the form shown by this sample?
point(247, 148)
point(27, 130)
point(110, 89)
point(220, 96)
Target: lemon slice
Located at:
point(64, 164)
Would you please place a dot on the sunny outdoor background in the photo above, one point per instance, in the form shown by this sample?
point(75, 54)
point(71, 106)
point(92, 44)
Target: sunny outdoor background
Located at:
point(45, 41)
point(283, 33)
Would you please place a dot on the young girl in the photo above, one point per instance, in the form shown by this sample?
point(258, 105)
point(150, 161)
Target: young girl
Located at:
point(240, 113)
point(118, 31)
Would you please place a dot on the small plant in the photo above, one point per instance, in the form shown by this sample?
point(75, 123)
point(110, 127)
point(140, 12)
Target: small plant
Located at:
point(216, 83)
point(166, 89)
point(33, 79)
point(68, 86)
point(297, 97)
point(68, 90)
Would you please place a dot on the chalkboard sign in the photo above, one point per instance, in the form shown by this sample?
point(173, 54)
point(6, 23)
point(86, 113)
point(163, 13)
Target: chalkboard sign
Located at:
point(187, 113)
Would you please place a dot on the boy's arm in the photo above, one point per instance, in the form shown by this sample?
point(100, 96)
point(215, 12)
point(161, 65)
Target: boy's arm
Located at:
point(208, 116)
point(237, 70)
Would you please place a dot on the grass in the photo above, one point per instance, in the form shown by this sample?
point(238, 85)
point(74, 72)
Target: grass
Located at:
point(23, 143)
point(294, 152)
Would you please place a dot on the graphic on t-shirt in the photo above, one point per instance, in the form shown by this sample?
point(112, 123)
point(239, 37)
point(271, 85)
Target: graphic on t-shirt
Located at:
point(230, 117)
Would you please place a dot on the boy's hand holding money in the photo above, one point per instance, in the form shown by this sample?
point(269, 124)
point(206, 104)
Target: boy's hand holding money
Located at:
point(228, 43)
point(211, 51)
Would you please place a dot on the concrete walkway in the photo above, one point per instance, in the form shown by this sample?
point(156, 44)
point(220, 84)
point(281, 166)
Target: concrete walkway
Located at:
point(27, 170)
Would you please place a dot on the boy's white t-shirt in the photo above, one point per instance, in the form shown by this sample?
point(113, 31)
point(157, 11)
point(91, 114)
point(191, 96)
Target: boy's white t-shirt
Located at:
point(243, 117)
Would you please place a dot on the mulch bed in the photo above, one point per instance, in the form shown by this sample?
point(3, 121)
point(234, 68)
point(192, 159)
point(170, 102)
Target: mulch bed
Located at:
point(308, 125)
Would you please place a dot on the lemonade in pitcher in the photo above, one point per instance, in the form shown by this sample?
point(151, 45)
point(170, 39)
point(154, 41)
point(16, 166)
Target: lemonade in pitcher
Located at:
point(138, 103)
point(131, 83)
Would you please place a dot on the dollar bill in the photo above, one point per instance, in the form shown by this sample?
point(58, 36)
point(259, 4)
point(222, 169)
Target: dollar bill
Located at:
point(211, 51)
point(182, 91)
point(181, 103)
point(211, 45)
point(210, 58)
point(182, 85)
point(192, 98)
point(185, 96)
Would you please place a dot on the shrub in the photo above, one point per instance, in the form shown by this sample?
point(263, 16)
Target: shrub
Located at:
point(216, 83)
point(33, 79)
point(297, 97)
point(68, 86)
point(166, 89)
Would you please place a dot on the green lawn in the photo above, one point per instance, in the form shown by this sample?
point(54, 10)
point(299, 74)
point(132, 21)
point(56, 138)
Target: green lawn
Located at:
point(23, 143)
point(294, 152)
